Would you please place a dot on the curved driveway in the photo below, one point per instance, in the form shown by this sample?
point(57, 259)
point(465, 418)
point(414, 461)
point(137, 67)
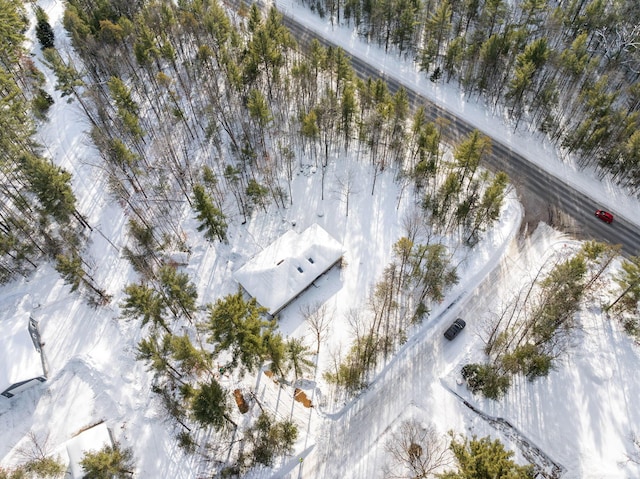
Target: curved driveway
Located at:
point(544, 196)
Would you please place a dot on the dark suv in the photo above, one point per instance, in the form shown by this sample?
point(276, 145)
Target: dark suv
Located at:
point(457, 326)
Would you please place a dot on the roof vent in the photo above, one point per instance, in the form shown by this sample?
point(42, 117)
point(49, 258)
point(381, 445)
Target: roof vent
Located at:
point(310, 260)
point(300, 269)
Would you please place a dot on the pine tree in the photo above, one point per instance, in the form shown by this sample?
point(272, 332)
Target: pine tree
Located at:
point(454, 56)
point(52, 186)
point(488, 209)
point(257, 193)
point(192, 360)
point(70, 267)
point(110, 462)
point(212, 220)
point(178, 292)
point(297, 355)
point(45, 468)
point(210, 406)
point(144, 303)
point(439, 25)
point(348, 106)
point(121, 95)
point(157, 355)
point(628, 280)
point(432, 271)
point(44, 32)
point(470, 152)
point(484, 459)
point(268, 439)
point(238, 326)
point(258, 109)
point(68, 78)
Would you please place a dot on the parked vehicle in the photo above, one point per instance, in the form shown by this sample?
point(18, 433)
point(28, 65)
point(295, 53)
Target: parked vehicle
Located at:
point(604, 216)
point(453, 330)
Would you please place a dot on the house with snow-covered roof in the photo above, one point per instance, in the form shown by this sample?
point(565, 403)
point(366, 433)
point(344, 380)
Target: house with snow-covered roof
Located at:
point(287, 267)
point(21, 360)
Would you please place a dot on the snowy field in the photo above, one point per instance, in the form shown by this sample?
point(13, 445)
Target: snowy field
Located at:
point(582, 416)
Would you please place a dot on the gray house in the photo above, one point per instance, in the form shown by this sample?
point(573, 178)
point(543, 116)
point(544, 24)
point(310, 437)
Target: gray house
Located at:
point(21, 359)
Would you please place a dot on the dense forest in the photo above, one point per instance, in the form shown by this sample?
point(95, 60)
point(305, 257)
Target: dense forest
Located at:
point(170, 89)
point(38, 212)
point(568, 68)
point(196, 111)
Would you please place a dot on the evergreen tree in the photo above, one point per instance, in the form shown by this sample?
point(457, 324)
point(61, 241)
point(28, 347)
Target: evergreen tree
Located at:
point(157, 355)
point(122, 96)
point(258, 109)
point(45, 468)
point(70, 267)
point(212, 220)
point(488, 209)
point(348, 104)
point(144, 303)
point(110, 462)
point(297, 357)
point(52, 186)
point(453, 57)
point(268, 439)
point(17, 473)
point(485, 459)
point(438, 25)
point(432, 271)
point(210, 406)
point(257, 193)
point(192, 360)
point(238, 326)
point(470, 152)
point(44, 32)
point(628, 280)
point(178, 292)
point(69, 79)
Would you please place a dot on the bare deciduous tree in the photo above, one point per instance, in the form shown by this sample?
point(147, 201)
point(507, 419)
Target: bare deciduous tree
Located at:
point(345, 187)
point(319, 319)
point(39, 460)
point(36, 447)
point(416, 452)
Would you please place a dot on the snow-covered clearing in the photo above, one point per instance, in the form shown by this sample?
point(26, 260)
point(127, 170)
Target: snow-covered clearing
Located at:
point(582, 415)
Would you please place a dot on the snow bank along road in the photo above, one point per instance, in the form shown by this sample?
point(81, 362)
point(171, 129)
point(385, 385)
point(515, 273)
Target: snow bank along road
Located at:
point(534, 184)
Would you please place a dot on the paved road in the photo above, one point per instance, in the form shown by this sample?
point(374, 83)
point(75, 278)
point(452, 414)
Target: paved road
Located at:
point(544, 196)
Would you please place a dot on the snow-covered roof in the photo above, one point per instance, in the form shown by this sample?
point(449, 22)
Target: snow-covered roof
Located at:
point(286, 267)
point(19, 359)
point(90, 440)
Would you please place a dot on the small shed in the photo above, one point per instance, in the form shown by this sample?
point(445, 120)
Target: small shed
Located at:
point(22, 362)
point(288, 266)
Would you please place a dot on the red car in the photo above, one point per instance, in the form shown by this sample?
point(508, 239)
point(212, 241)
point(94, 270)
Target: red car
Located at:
point(604, 216)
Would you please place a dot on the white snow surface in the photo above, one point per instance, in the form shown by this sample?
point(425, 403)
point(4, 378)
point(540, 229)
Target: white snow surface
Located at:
point(19, 359)
point(285, 268)
point(582, 415)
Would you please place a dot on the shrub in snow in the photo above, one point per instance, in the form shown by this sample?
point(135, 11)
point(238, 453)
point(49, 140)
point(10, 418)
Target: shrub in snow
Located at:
point(486, 379)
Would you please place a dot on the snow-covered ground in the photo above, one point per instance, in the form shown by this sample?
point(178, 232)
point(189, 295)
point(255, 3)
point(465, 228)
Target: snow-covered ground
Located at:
point(582, 416)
